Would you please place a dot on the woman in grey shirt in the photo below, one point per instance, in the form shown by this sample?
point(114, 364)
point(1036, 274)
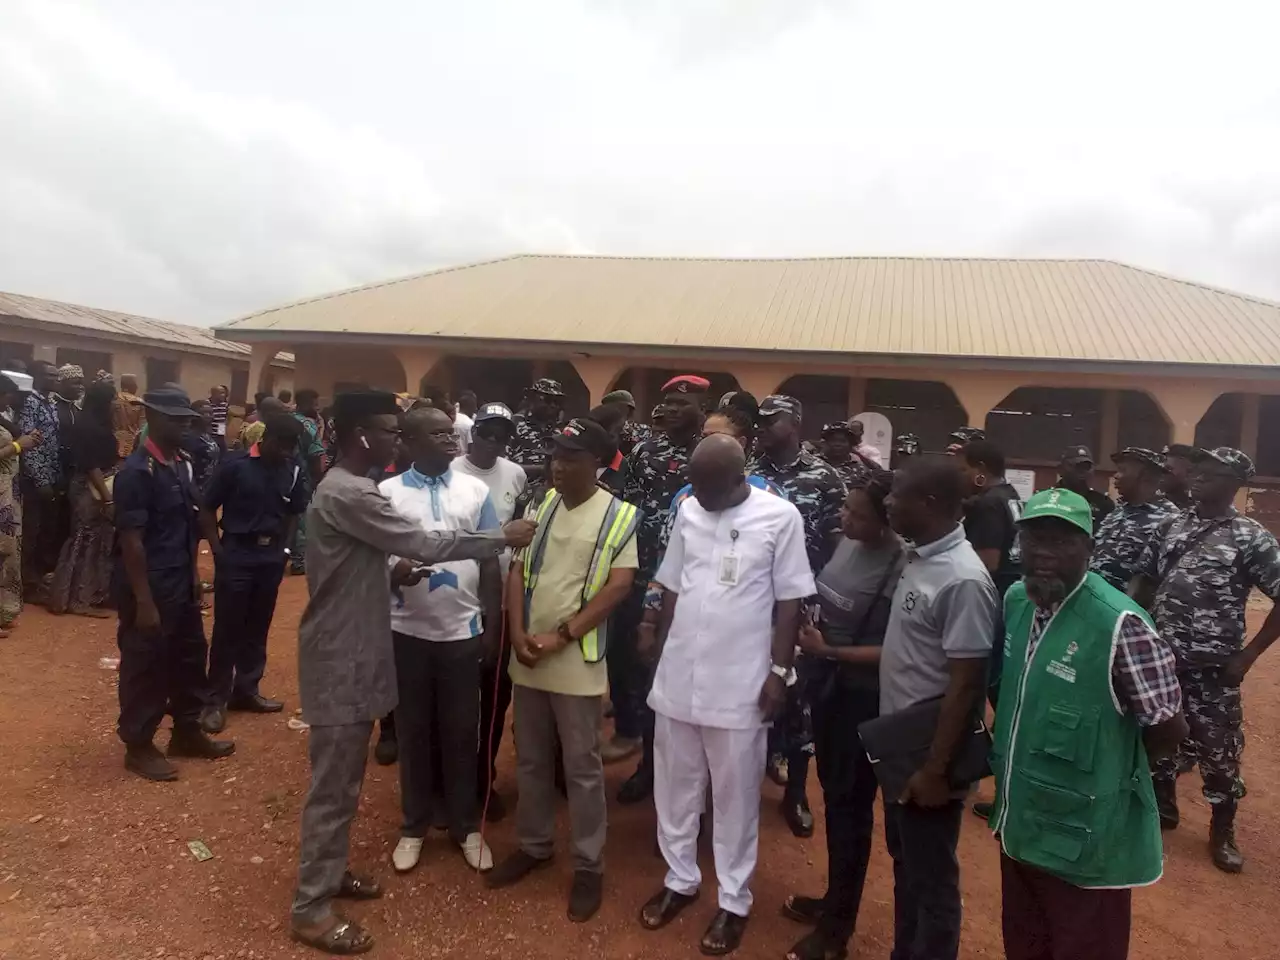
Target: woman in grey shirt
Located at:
point(854, 592)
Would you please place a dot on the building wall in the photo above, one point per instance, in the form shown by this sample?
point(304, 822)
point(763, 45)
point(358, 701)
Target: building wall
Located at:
point(197, 372)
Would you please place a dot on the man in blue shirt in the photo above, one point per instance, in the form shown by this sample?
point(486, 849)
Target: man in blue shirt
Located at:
point(261, 493)
point(157, 592)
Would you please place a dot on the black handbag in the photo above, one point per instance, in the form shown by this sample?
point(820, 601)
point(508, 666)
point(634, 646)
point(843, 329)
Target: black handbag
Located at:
point(898, 745)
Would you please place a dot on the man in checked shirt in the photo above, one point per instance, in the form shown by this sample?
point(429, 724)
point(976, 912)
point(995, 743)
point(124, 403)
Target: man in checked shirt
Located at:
point(1090, 697)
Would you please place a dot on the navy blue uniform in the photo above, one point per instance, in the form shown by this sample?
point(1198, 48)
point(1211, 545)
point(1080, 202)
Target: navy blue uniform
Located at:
point(162, 670)
point(257, 500)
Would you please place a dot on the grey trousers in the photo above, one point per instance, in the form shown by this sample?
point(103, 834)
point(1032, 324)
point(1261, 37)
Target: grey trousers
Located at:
point(338, 756)
point(539, 716)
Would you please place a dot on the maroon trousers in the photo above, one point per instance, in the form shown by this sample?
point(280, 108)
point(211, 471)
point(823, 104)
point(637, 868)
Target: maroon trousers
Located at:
point(1046, 918)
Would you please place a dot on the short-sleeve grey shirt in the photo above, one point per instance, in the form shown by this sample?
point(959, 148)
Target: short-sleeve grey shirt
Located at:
point(945, 608)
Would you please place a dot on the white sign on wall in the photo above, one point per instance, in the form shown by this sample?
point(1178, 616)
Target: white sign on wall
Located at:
point(1024, 481)
point(877, 431)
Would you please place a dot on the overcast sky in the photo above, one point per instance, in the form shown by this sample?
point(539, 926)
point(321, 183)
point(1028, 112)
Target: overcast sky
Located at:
point(195, 160)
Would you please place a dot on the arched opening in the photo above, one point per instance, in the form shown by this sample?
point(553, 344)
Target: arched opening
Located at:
point(1220, 425)
point(927, 408)
point(645, 384)
point(505, 380)
point(824, 399)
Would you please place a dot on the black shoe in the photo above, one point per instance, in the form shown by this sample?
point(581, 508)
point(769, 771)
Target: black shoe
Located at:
point(798, 817)
point(983, 809)
point(147, 762)
point(213, 719)
point(1222, 839)
point(1167, 804)
point(513, 869)
point(636, 788)
point(663, 907)
point(255, 703)
point(194, 742)
point(585, 895)
point(386, 752)
point(724, 935)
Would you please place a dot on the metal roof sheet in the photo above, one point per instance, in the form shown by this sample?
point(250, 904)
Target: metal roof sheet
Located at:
point(92, 322)
point(1088, 310)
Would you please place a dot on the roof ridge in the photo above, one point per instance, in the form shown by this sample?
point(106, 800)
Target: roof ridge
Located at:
point(361, 287)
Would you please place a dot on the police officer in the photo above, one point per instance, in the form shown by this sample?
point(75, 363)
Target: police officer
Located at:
point(1196, 577)
point(958, 437)
point(1075, 473)
point(261, 493)
point(1126, 531)
point(819, 494)
point(633, 431)
point(1177, 482)
point(905, 446)
point(536, 427)
point(157, 592)
point(838, 448)
point(655, 472)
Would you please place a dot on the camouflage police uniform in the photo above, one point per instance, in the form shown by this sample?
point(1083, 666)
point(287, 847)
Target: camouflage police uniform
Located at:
point(1124, 533)
point(532, 444)
point(1205, 568)
point(817, 491)
point(855, 471)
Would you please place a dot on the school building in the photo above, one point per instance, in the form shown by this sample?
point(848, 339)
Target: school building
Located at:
point(1042, 353)
point(154, 351)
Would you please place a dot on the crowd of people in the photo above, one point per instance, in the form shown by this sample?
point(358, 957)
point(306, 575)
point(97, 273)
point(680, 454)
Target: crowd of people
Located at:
point(744, 601)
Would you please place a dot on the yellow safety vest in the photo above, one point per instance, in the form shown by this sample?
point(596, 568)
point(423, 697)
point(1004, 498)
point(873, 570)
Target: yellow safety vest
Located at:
point(616, 529)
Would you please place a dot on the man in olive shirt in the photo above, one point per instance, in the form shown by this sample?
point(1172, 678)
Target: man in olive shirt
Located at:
point(346, 665)
point(560, 594)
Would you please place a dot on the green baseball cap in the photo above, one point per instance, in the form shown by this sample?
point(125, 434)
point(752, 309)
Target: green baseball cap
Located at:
point(1062, 505)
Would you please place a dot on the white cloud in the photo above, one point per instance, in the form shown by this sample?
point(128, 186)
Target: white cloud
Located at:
point(194, 161)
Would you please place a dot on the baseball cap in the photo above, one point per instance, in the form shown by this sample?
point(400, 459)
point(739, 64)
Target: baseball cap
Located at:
point(840, 426)
point(1074, 455)
point(687, 383)
point(1139, 455)
point(1239, 461)
point(966, 434)
point(777, 403)
point(588, 436)
point(547, 387)
point(495, 411)
point(620, 396)
point(1061, 505)
point(170, 400)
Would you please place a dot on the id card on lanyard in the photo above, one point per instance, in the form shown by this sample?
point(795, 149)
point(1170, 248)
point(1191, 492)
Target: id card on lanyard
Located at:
point(729, 563)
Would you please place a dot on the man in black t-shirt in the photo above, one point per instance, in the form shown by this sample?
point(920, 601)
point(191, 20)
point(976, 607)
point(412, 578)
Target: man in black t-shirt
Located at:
point(991, 513)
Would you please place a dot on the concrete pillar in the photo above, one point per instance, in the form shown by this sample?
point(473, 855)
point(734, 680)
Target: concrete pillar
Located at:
point(761, 379)
point(1184, 403)
point(260, 372)
point(857, 395)
point(599, 374)
point(1109, 434)
point(1249, 407)
point(980, 393)
point(418, 362)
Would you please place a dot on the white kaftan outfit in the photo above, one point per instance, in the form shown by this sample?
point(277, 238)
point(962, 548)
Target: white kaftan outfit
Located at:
point(728, 569)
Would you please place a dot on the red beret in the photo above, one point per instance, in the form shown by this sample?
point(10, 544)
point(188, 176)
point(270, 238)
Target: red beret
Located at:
point(688, 383)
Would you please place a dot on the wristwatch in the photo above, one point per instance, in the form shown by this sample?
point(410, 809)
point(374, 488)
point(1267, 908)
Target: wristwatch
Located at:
point(786, 674)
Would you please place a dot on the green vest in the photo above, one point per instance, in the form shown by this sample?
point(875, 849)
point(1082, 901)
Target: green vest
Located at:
point(1073, 785)
point(617, 527)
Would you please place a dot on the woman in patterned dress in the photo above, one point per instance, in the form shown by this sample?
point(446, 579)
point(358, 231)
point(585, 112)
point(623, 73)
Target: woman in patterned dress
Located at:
point(11, 446)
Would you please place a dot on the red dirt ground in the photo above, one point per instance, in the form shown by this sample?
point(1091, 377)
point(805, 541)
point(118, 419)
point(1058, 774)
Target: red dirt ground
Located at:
point(94, 862)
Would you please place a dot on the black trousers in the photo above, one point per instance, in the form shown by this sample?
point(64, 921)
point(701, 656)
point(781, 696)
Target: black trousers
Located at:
point(161, 671)
point(46, 525)
point(244, 598)
point(926, 879)
point(495, 700)
point(439, 709)
point(849, 795)
point(629, 676)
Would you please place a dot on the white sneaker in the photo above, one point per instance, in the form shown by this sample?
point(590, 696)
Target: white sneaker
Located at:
point(408, 852)
point(477, 853)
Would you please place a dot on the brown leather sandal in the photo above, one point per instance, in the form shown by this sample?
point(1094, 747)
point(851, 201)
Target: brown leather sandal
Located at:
point(343, 939)
point(358, 888)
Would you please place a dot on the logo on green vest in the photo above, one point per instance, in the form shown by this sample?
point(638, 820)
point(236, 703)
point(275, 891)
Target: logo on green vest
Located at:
point(1062, 669)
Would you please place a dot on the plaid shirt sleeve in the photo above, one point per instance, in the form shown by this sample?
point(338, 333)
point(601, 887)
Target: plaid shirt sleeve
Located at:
point(1144, 675)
